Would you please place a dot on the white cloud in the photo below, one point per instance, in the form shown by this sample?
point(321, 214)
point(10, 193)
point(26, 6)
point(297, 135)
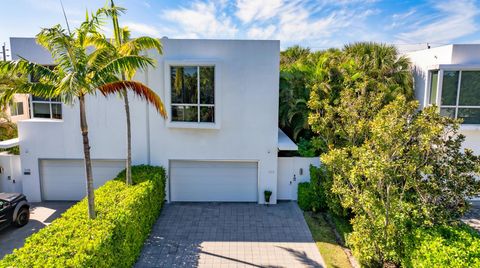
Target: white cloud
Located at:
point(249, 10)
point(142, 28)
point(261, 33)
point(311, 23)
point(201, 20)
point(456, 20)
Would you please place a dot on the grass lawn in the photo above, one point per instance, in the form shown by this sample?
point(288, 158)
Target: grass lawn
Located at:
point(324, 237)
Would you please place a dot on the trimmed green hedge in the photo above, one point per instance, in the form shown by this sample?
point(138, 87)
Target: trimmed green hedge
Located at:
point(444, 246)
point(125, 215)
point(305, 196)
point(311, 195)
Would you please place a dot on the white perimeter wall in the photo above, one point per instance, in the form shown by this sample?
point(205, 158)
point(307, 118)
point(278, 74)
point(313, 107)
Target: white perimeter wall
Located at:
point(288, 167)
point(249, 117)
point(10, 176)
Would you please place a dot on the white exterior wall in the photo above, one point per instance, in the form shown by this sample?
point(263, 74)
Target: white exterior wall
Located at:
point(290, 168)
point(421, 61)
point(10, 175)
point(248, 97)
point(424, 60)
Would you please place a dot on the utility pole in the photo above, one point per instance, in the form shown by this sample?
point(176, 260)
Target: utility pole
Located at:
point(4, 52)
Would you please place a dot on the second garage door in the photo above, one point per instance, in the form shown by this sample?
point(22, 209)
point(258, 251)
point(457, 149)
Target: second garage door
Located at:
point(213, 181)
point(65, 179)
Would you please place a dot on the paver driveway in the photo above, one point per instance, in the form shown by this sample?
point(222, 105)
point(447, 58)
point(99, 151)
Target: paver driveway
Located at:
point(472, 217)
point(230, 235)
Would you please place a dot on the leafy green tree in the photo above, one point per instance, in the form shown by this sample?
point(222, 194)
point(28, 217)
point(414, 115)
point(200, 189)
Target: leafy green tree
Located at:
point(293, 54)
point(409, 172)
point(350, 86)
point(78, 73)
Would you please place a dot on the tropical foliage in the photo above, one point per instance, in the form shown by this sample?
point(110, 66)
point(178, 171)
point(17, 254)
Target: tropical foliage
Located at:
point(443, 246)
point(294, 93)
point(350, 86)
point(409, 173)
point(79, 72)
point(389, 168)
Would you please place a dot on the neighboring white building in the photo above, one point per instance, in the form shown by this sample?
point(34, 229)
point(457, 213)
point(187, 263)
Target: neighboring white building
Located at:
point(449, 76)
point(219, 143)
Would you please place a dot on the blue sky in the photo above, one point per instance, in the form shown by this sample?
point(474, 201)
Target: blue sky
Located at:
point(317, 24)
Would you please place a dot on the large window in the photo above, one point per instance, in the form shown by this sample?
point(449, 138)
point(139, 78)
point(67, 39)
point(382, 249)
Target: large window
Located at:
point(192, 94)
point(16, 108)
point(46, 108)
point(460, 94)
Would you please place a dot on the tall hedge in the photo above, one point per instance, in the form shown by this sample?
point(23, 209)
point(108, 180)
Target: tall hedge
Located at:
point(125, 215)
point(312, 195)
point(443, 246)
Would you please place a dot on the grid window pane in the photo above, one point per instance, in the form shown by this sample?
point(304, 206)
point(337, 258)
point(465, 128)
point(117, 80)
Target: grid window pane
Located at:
point(56, 111)
point(184, 84)
point(182, 113)
point(16, 108)
point(470, 88)
point(449, 112)
point(207, 85)
point(41, 110)
point(469, 115)
point(433, 87)
point(35, 98)
point(19, 107)
point(449, 87)
point(207, 114)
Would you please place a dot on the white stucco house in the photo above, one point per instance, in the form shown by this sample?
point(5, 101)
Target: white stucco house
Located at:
point(449, 76)
point(219, 143)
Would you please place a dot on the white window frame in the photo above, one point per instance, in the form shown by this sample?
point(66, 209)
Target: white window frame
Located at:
point(14, 111)
point(32, 113)
point(438, 101)
point(217, 99)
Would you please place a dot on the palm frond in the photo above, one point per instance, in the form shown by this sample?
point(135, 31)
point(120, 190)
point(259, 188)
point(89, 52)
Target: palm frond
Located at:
point(22, 66)
point(36, 89)
point(123, 64)
point(140, 90)
point(101, 56)
point(98, 41)
point(134, 46)
point(125, 32)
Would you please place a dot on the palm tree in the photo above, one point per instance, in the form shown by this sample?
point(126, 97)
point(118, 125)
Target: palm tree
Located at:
point(78, 74)
point(294, 93)
point(121, 46)
point(384, 65)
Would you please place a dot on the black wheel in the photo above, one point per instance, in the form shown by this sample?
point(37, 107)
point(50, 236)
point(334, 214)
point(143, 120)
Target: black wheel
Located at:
point(22, 217)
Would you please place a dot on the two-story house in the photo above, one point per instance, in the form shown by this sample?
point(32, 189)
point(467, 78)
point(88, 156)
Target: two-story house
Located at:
point(219, 143)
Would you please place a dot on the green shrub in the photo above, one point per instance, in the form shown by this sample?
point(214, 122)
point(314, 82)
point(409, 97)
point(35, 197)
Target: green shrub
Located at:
point(445, 246)
point(306, 148)
point(125, 215)
point(311, 195)
point(305, 196)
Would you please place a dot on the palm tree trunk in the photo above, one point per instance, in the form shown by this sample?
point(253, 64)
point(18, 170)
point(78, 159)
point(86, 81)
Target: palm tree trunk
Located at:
point(88, 162)
point(128, 171)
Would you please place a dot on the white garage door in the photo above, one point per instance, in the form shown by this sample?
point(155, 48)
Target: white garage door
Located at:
point(65, 179)
point(209, 181)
